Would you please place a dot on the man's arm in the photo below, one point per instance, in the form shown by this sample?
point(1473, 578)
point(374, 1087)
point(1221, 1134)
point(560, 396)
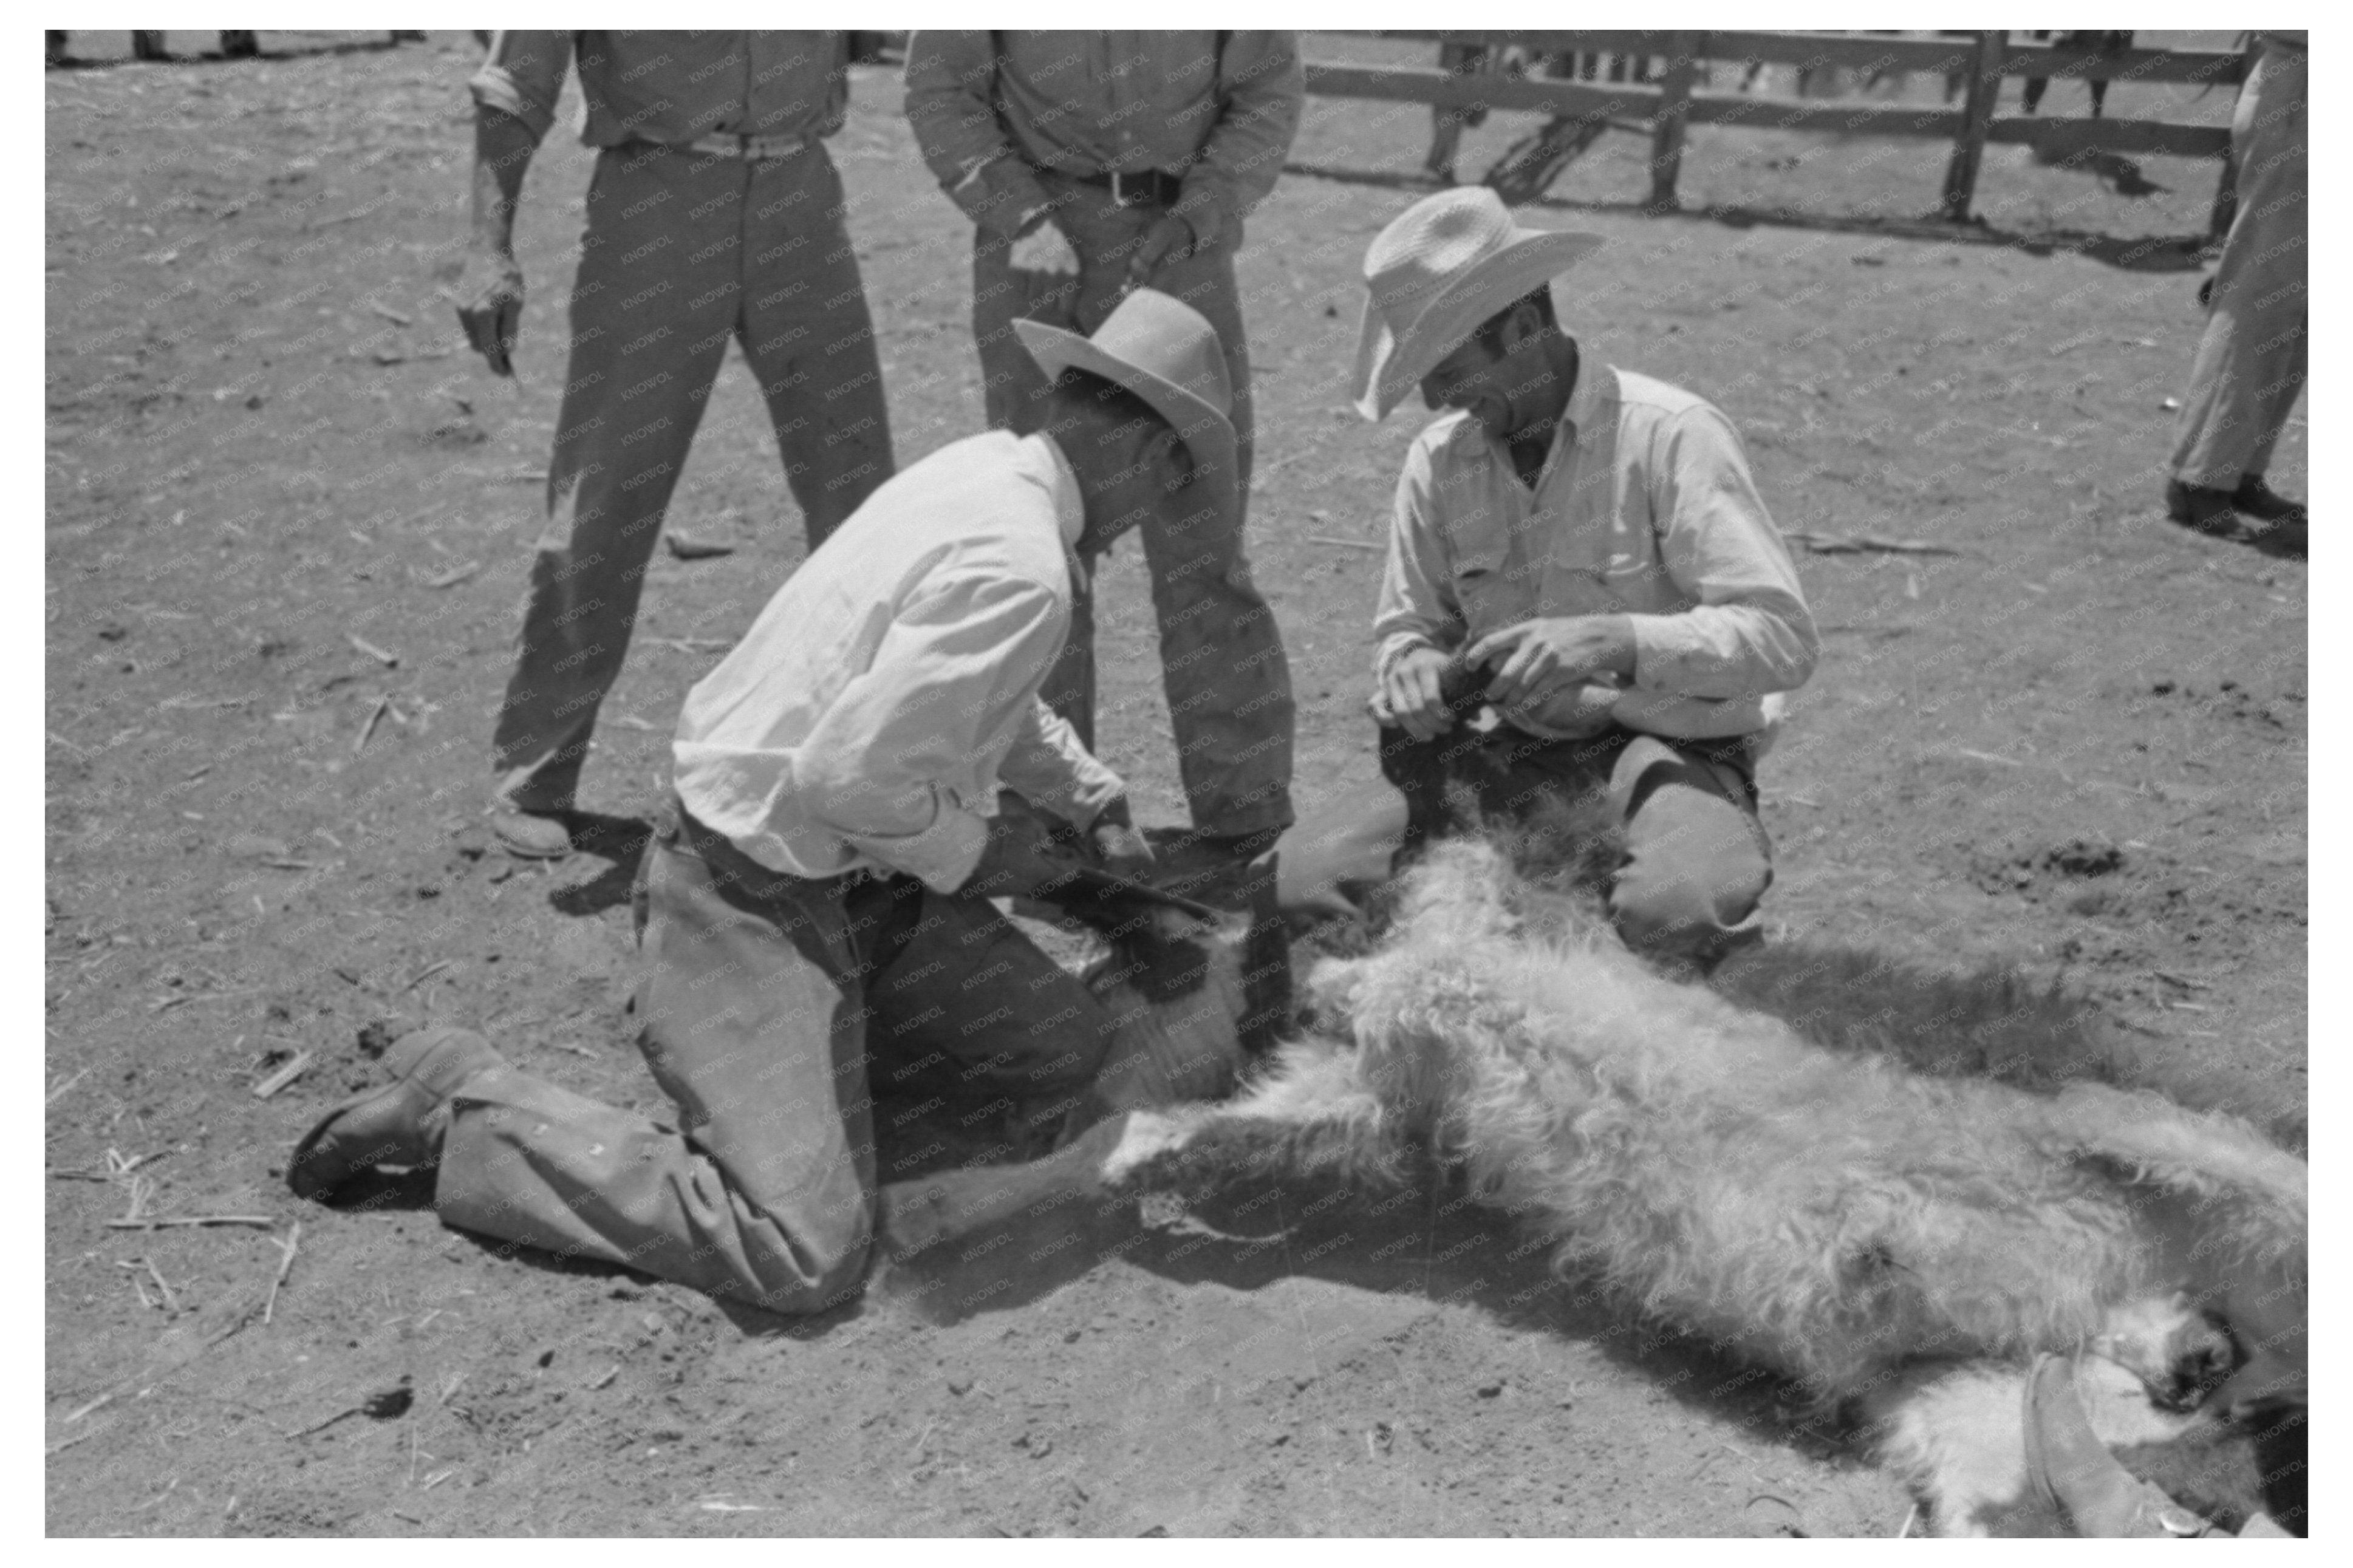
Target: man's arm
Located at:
point(1416, 606)
point(952, 106)
point(1050, 767)
point(1417, 621)
point(1750, 631)
point(515, 103)
point(939, 688)
point(1261, 89)
point(491, 287)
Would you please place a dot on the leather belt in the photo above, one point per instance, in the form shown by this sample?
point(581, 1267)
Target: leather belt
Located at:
point(751, 149)
point(1147, 187)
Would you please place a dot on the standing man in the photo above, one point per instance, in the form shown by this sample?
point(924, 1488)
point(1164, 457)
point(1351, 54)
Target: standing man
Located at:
point(1591, 539)
point(2250, 360)
point(1093, 163)
point(714, 212)
point(817, 908)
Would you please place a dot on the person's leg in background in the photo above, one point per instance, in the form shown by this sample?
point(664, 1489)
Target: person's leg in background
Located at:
point(808, 338)
point(1231, 709)
point(2031, 98)
point(1447, 124)
point(2251, 359)
point(1012, 391)
point(1222, 663)
point(652, 309)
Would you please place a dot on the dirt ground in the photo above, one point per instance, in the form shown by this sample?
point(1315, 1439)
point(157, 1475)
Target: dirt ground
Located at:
point(2077, 743)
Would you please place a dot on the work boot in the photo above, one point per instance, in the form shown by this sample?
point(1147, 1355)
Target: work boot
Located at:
point(2257, 500)
point(531, 835)
point(2200, 509)
point(402, 1123)
point(2070, 1470)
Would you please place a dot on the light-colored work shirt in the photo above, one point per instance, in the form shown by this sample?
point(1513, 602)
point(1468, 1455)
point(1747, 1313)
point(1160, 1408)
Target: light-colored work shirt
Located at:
point(890, 686)
point(1644, 507)
point(672, 87)
point(991, 109)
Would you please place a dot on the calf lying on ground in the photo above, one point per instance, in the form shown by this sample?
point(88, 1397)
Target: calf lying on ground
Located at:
point(1892, 1241)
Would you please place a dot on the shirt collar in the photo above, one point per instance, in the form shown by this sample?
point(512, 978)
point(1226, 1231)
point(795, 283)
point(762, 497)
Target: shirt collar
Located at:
point(1597, 383)
point(1070, 501)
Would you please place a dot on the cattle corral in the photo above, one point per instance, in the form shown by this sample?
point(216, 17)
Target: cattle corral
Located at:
point(2076, 743)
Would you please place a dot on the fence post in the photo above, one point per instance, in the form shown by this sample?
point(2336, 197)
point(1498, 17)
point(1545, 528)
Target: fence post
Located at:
point(1977, 116)
point(1673, 115)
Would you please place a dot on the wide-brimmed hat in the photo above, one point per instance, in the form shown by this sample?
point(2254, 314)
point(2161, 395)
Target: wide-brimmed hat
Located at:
point(1165, 352)
point(1445, 265)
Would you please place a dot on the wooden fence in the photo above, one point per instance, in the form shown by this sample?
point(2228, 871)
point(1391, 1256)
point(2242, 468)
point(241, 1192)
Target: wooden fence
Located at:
point(1676, 100)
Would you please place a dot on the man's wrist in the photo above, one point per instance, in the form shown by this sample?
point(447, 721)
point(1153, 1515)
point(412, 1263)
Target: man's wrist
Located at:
point(1113, 813)
point(1624, 651)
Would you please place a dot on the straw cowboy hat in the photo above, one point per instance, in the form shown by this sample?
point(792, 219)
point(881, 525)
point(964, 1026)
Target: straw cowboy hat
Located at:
point(1445, 265)
point(1165, 352)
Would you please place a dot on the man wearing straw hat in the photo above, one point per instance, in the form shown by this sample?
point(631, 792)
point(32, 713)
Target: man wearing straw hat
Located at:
point(815, 914)
point(1579, 556)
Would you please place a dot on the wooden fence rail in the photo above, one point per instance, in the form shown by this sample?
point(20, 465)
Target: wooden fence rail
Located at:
point(1985, 59)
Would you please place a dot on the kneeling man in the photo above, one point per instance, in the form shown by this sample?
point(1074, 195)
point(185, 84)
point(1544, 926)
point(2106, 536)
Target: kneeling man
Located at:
point(816, 913)
point(1591, 540)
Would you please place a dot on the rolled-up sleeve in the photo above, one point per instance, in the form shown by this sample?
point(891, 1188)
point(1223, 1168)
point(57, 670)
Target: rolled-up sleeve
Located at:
point(1750, 632)
point(1261, 90)
point(523, 75)
point(877, 769)
point(952, 107)
point(1416, 606)
point(1050, 767)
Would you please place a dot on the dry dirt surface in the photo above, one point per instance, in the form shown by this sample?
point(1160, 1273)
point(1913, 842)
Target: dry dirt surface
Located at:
point(288, 523)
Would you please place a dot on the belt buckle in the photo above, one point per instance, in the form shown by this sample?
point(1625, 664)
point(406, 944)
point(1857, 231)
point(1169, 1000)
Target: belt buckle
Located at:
point(1118, 196)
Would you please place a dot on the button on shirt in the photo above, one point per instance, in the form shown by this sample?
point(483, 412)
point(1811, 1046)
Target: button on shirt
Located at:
point(672, 87)
point(869, 714)
point(989, 108)
point(1644, 507)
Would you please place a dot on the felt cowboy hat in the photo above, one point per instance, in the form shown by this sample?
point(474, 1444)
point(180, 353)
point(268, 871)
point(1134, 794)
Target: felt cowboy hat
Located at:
point(1445, 265)
point(1165, 352)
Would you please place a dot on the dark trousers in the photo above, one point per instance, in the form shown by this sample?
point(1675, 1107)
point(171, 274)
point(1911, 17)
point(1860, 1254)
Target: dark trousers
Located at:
point(1221, 658)
point(683, 251)
point(1693, 858)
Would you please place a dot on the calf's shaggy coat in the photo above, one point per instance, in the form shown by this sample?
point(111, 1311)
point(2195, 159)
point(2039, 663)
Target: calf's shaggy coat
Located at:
point(1856, 1225)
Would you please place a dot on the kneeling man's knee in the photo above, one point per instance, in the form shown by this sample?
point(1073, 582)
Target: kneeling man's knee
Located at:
point(824, 1266)
point(1699, 914)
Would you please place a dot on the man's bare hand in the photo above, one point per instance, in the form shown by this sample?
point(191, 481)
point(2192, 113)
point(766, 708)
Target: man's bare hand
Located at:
point(1121, 847)
point(1045, 249)
point(489, 307)
point(1545, 656)
point(1166, 243)
point(1411, 696)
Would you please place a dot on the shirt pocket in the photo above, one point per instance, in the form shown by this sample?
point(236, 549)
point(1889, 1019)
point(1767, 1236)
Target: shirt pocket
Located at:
point(1481, 586)
point(1629, 579)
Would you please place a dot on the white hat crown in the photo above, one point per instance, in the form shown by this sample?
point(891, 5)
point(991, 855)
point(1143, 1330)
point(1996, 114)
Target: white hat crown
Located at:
point(1432, 243)
point(1440, 268)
